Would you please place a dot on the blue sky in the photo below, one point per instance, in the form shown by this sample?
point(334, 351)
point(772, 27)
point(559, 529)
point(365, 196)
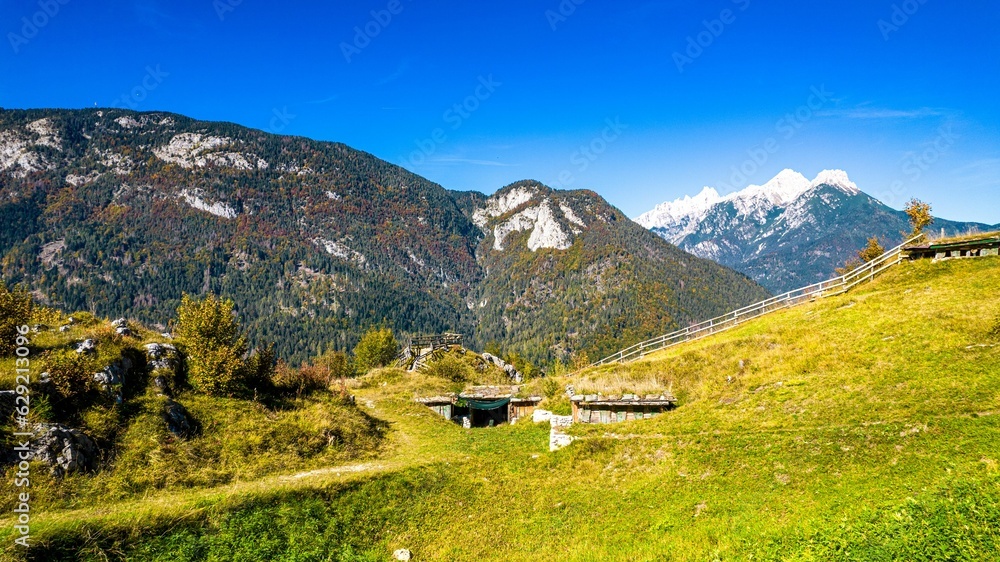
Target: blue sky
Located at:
point(639, 101)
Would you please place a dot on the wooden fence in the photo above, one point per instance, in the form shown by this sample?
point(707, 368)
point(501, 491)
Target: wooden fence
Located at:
point(836, 286)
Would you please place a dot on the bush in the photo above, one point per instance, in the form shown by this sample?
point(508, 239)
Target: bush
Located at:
point(15, 311)
point(920, 215)
point(338, 365)
point(451, 367)
point(69, 372)
point(305, 380)
point(377, 348)
point(872, 251)
point(218, 364)
point(551, 388)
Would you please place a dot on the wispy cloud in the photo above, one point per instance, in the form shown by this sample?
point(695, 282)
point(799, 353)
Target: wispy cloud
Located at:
point(402, 68)
point(882, 113)
point(326, 100)
point(984, 173)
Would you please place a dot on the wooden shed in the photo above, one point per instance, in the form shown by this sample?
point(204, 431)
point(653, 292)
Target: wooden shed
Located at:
point(988, 245)
point(484, 406)
point(594, 408)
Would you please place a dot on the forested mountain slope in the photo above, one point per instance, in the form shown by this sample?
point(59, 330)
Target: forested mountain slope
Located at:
point(121, 213)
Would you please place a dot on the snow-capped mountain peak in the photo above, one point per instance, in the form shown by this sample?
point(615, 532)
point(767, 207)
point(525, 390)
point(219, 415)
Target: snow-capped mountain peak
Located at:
point(780, 191)
point(789, 232)
point(671, 212)
point(838, 179)
point(784, 188)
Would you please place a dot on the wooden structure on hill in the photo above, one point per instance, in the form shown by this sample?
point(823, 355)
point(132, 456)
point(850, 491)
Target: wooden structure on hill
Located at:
point(483, 406)
point(420, 348)
point(988, 245)
point(594, 408)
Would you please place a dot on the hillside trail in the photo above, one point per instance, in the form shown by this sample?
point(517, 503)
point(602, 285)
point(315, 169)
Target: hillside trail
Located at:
point(403, 449)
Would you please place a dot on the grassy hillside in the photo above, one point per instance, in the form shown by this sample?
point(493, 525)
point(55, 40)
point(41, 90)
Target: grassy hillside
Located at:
point(862, 427)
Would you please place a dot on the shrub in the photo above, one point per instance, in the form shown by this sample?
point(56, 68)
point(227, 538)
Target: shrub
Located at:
point(69, 372)
point(15, 311)
point(258, 369)
point(304, 380)
point(377, 348)
point(216, 370)
point(872, 251)
point(217, 351)
point(551, 388)
point(337, 363)
point(451, 367)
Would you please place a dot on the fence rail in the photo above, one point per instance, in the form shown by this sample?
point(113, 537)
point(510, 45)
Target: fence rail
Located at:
point(836, 286)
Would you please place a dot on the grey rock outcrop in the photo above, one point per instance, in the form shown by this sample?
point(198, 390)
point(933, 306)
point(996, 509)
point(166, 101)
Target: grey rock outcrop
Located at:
point(87, 346)
point(121, 327)
point(162, 386)
point(65, 450)
point(112, 378)
point(161, 356)
point(512, 372)
point(178, 420)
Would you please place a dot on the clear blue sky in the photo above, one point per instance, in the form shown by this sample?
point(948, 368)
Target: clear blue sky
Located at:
point(909, 107)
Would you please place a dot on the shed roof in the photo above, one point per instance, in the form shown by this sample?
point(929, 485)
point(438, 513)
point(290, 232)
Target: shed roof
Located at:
point(664, 399)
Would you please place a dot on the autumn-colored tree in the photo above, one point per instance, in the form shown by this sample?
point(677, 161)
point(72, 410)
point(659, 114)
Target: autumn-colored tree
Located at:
point(377, 348)
point(15, 311)
point(872, 251)
point(920, 215)
point(336, 364)
point(218, 363)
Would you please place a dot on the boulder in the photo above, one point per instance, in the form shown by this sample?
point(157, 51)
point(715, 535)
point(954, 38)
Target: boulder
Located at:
point(121, 327)
point(178, 420)
point(64, 449)
point(511, 371)
point(161, 356)
point(87, 346)
point(112, 378)
point(162, 385)
point(402, 554)
point(64, 328)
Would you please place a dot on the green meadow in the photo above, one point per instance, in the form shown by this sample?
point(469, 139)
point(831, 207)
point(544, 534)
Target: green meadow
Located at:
point(860, 427)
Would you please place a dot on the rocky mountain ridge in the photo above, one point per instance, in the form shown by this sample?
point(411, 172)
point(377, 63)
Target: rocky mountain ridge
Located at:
point(120, 213)
point(789, 232)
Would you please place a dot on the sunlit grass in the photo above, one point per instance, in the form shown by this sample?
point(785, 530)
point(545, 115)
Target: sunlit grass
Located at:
point(862, 427)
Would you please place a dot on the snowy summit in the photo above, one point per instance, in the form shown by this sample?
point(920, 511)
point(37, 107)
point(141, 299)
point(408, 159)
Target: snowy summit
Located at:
point(783, 190)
